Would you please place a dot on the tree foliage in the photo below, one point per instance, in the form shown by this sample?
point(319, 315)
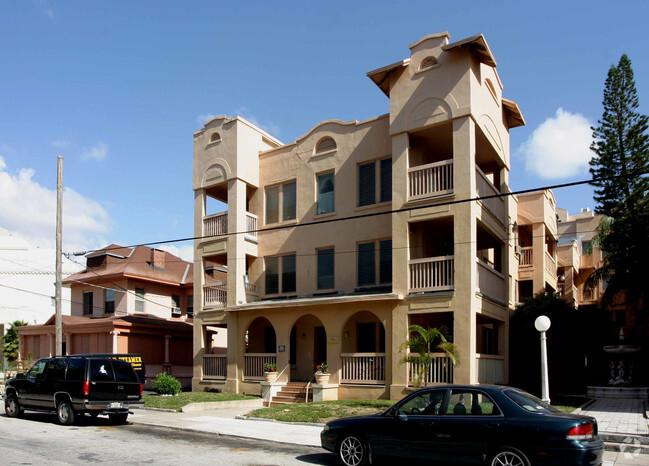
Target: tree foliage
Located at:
point(10, 340)
point(422, 344)
point(620, 170)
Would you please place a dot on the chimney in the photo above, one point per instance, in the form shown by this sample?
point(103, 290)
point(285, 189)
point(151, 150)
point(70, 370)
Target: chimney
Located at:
point(157, 258)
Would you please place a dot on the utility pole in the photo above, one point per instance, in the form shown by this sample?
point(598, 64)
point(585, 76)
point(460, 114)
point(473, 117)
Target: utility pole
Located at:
point(59, 224)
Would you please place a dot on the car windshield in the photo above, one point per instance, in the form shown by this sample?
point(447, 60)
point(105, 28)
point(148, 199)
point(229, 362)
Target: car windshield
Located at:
point(530, 402)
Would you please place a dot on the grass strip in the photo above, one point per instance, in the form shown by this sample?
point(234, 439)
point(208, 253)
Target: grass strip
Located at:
point(178, 401)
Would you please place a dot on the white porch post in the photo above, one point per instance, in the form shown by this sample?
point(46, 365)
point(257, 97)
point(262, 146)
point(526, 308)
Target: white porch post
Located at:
point(115, 333)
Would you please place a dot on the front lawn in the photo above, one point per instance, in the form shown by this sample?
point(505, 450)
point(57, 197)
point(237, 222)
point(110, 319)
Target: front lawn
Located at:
point(321, 411)
point(178, 401)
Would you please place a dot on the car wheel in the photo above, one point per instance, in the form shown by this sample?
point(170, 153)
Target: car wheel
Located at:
point(118, 418)
point(509, 457)
point(12, 406)
point(65, 413)
point(352, 451)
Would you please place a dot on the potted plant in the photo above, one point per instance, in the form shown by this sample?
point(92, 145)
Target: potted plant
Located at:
point(270, 372)
point(322, 373)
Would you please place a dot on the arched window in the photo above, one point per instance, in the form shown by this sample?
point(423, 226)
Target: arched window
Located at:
point(428, 62)
point(325, 144)
point(215, 137)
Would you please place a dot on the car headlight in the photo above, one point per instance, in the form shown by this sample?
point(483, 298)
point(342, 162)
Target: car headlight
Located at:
point(326, 428)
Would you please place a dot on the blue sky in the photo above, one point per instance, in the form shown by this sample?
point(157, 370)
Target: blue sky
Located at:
point(118, 88)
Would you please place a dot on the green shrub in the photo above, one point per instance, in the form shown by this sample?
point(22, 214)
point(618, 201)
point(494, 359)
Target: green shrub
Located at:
point(165, 384)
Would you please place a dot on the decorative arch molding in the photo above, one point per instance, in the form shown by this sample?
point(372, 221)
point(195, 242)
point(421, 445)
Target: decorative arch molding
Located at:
point(428, 112)
point(216, 173)
point(490, 130)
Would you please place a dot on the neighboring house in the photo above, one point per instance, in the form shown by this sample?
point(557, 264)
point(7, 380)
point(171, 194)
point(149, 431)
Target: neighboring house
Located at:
point(27, 277)
point(346, 290)
point(127, 300)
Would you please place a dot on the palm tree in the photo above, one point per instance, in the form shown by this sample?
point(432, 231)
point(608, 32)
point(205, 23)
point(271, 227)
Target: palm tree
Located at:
point(423, 342)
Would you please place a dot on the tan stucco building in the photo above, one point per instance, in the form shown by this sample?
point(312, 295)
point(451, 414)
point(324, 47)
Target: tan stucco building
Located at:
point(337, 242)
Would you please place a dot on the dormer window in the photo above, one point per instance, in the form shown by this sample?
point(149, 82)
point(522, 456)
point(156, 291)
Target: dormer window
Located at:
point(428, 62)
point(215, 137)
point(325, 144)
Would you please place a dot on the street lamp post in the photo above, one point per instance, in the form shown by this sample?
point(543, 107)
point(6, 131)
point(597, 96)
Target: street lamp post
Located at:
point(542, 324)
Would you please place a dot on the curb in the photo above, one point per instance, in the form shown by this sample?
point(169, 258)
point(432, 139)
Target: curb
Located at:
point(216, 405)
point(310, 424)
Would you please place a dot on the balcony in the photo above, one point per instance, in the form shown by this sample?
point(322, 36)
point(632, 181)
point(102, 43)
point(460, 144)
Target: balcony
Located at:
point(431, 274)
point(215, 366)
point(491, 283)
point(440, 370)
point(526, 258)
point(495, 205)
point(363, 368)
point(217, 225)
point(490, 368)
point(215, 296)
point(254, 365)
point(432, 179)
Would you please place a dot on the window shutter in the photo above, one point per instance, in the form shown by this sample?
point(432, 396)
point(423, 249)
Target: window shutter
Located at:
point(325, 269)
point(366, 264)
point(386, 180)
point(272, 274)
point(288, 273)
point(385, 261)
point(288, 201)
point(367, 184)
point(325, 193)
point(325, 145)
point(272, 204)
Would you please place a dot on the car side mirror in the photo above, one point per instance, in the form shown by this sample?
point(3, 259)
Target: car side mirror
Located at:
point(402, 416)
point(21, 376)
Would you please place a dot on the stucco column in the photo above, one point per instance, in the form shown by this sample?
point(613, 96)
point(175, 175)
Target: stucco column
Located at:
point(115, 334)
point(236, 243)
point(167, 338)
point(465, 250)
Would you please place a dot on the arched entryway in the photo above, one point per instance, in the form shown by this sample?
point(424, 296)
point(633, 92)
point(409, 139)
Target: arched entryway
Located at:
point(363, 350)
point(308, 347)
point(260, 343)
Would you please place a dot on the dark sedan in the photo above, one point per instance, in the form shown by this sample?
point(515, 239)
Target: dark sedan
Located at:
point(469, 424)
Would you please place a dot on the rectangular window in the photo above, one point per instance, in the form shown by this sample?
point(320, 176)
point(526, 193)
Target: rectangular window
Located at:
point(175, 305)
point(375, 183)
point(375, 263)
point(87, 303)
point(109, 304)
point(326, 193)
point(139, 300)
point(584, 247)
point(280, 274)
point(281, 198)
point(190, 305)
point(326, 269)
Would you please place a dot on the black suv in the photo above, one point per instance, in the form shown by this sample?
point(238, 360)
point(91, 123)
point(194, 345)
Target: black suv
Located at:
point(73, 385)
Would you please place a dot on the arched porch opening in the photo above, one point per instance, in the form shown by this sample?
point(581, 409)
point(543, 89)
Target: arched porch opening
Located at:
point(363, 350)
point(308, 347)
point(260, 343)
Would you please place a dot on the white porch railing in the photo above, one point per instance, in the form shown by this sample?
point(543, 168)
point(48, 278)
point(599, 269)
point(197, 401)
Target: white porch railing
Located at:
point(490, 369)
point(215, 366)
point(216, 224)
point(251, 225)
point(431, 274)
point(254, 365)
point(491, 282)
point(440, 370)
point(484, 187)
point(527, 257)
point(215, 295)
point(363, 368)
point(430, 179)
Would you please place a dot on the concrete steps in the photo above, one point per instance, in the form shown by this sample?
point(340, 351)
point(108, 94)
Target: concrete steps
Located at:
point(293, 392)
point(628, 444)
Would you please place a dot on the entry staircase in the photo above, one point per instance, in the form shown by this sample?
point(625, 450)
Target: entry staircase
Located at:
point(292, 392)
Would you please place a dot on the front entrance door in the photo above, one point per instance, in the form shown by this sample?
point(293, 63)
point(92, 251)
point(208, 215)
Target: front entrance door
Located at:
point(319, 346)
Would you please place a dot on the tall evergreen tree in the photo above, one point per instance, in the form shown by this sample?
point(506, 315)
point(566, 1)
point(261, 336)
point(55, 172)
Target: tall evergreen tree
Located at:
point(620, 170)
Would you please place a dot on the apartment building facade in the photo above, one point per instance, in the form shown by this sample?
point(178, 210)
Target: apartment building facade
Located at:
point(339, 241)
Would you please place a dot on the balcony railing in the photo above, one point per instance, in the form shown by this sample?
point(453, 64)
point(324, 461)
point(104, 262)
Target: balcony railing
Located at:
point(490, 369)
point(550, 264)
point(217, 224)
point(215, 366)
point(430, 179)
point(527, 258)
point(496, 205)
point(431, 274)
point(215, 295)
point(254, 365)
point(491, 283)
point(363, 368)
point(440, 370)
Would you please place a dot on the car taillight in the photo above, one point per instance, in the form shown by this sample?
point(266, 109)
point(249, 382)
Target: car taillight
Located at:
point(581, 432)
point(86, 388)
point(141, 390)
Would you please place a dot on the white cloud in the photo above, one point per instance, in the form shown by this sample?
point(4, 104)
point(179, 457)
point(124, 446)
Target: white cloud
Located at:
point(44, 6)
point(97, 152)
point(559, 147)
point(185, 252)
point(29, 210)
